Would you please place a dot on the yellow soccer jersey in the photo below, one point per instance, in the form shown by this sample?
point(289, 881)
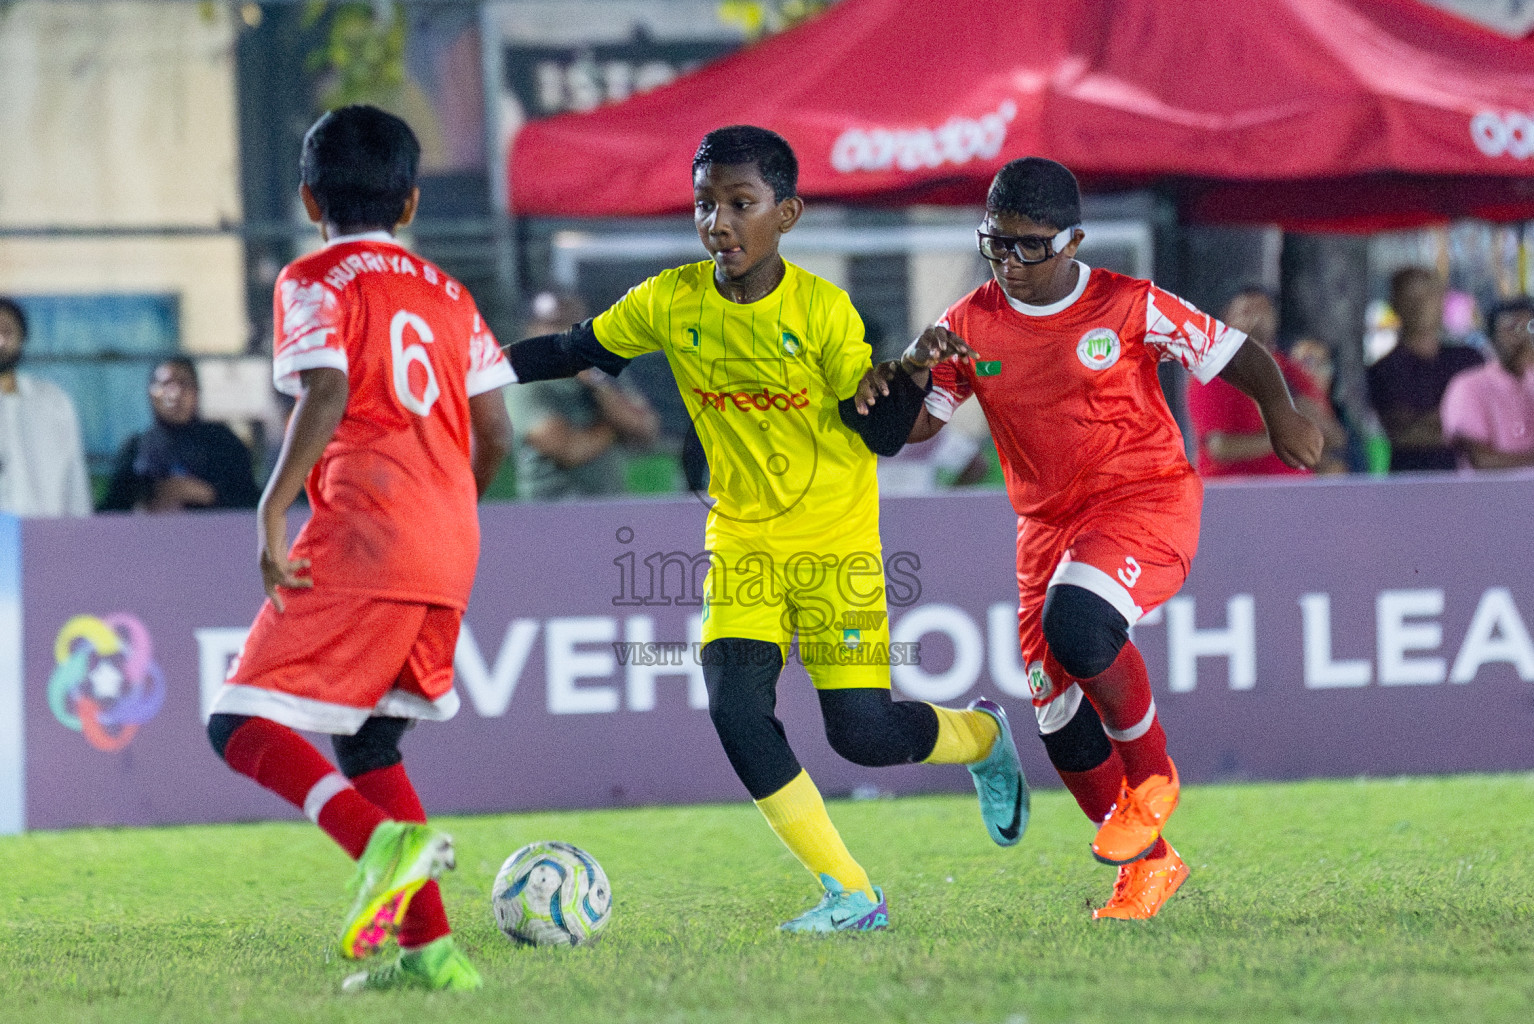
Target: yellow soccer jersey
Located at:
point(761, 381)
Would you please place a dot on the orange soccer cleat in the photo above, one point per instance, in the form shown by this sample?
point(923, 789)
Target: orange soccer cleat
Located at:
point(1135, 823)
point(1143, 886)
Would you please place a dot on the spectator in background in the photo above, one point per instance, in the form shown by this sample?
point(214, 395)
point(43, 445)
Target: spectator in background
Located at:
point(567, 434)
point(42, 462)
point(1488, 411)
point(1314, 356)
point(1406, 386)
point(1462, 323)
point(183, 462)
point(1232, 440)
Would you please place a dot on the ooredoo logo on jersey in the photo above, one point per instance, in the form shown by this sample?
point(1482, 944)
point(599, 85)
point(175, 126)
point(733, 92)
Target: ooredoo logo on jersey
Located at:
point(105, 681)
point(1503, 133)
point(761, 400)
point(1098, 349)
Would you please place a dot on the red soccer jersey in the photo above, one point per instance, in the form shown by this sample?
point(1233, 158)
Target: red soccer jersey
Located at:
point(1070, 389)
point(393, 495)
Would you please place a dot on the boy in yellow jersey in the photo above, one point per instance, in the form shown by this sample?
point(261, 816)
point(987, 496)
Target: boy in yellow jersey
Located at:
point(768, 358)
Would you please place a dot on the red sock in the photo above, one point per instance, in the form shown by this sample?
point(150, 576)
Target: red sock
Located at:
point(288, 765)
point(1122, 696)
point(1097, 788)
point(390, 788)
point(1145, 756)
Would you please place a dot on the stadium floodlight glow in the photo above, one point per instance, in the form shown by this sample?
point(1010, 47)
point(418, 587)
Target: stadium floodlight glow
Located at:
point(1026, 249)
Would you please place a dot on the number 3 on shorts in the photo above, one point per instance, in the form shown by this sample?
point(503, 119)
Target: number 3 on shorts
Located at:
point(1130, 574)
point(403, 356)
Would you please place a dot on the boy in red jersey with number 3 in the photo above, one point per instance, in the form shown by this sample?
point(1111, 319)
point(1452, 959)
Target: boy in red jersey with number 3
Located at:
point(398, 429)
point(1108, 506)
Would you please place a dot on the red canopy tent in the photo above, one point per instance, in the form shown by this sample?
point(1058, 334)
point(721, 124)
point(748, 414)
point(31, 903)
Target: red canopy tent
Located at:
point(1347, 115)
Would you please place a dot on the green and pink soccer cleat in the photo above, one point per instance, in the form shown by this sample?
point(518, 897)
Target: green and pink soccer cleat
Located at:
point(436, 967)
point(399, 859)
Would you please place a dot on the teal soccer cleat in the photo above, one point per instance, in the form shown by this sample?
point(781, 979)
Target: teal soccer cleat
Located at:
point(842, 911)
point(1000, 783)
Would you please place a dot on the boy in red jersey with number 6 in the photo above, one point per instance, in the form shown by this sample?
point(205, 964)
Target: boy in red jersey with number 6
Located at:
point(398, 429)
point(1107, 504)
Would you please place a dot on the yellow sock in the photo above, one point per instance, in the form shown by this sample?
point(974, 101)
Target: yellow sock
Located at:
point(963, 737)
point(798, 815)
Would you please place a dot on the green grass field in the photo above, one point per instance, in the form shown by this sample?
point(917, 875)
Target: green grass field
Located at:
point(1338, 901)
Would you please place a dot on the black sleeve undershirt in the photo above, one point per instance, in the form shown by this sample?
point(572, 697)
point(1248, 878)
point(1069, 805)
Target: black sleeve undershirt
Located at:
point(552, 356)
point(889, 421)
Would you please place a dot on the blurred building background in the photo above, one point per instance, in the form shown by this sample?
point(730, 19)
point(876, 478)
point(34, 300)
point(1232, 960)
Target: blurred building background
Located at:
point(148, 192)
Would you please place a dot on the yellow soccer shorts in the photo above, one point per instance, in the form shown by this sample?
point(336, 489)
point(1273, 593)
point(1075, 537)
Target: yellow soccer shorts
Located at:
point(833, 602)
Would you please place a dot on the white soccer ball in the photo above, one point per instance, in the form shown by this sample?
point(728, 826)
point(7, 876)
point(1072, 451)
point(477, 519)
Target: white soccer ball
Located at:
point(552, 894)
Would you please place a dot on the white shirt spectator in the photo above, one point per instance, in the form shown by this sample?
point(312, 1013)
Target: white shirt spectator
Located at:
point(42, 463)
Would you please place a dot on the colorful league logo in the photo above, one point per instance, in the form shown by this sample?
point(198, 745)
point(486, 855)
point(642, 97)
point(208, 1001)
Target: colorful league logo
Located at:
point(106, 682)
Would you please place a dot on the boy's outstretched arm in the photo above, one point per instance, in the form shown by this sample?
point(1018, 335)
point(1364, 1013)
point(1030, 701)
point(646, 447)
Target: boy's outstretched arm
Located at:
point(315, 419)
point(1296, 440)
point(903, 419)
point(491, 426)
point(552, 356)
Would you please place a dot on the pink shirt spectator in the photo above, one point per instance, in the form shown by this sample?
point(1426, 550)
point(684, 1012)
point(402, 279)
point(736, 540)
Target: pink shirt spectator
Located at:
point(1488, 404)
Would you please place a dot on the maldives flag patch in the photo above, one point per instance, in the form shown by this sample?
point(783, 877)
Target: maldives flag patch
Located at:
point(987, 367)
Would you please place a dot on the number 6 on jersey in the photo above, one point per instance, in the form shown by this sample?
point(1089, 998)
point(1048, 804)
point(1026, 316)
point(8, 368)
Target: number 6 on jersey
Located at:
point(404, 355)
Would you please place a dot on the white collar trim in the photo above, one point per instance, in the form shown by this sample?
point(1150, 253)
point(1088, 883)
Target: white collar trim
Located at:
point(364, 236)
point(1054, 307)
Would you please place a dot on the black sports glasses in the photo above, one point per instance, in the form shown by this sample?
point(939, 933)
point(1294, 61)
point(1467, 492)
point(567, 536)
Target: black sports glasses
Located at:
point(1026, 249)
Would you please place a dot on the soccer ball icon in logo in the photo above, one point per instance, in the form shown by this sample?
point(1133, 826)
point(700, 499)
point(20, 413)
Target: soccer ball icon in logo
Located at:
point(105, 681)
point(552, 894)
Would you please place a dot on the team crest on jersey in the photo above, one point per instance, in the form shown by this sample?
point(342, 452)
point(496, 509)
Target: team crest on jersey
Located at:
point(1039, 683)
point(1098, 349)
point(791, 343)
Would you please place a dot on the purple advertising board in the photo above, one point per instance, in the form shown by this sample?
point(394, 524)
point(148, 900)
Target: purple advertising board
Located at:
point(1329, 628)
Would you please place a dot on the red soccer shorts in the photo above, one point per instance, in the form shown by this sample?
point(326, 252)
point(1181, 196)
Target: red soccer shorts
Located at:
point(1133, 551)
point(333, 659)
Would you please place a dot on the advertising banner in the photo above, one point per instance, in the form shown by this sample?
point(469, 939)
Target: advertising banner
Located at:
point(1328, 629)
point(12, 764)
